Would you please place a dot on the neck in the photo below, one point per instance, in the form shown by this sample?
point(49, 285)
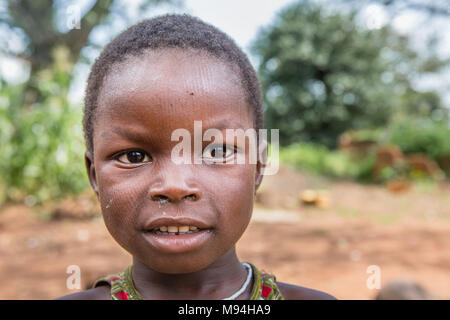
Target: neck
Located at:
point(219, 280)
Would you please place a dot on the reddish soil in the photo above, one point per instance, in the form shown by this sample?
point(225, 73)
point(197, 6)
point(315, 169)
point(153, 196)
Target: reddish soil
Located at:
point(406, 235)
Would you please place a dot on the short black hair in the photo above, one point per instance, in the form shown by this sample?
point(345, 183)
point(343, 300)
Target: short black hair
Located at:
point(170, 31)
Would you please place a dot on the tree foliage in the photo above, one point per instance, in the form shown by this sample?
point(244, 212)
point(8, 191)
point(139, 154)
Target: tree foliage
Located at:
point(41, 147)
point(432, 8)
point(35, 24)
point(322, 74)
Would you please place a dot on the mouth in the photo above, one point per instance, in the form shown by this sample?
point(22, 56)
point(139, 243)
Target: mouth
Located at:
point(176, 225)
point(176, 235)
point(176, 230)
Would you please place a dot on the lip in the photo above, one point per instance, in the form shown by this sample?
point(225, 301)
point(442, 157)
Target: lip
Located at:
point(175, 221)
point(177, 243)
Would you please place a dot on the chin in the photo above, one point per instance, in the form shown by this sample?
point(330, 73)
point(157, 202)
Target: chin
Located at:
point(178, 265)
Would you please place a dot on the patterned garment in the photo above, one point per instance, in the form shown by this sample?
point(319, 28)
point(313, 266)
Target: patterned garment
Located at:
point(122, 287)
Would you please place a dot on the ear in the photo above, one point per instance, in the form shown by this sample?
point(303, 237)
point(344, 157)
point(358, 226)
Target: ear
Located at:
point(89, 162)
point(261, 163)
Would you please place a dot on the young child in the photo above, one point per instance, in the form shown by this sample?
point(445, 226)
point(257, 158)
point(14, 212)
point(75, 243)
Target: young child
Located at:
point(180, 222)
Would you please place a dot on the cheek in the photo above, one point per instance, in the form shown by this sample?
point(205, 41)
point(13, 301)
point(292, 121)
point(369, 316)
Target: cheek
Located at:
point(119, 201)
point(235, 200)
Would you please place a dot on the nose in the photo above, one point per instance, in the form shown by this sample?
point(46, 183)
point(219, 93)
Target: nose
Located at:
point(174, 186)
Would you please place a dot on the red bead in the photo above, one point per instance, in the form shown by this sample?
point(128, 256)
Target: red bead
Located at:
point(266, 291)
point(122, 295)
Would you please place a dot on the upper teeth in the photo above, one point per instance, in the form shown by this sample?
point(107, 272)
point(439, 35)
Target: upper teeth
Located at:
point(176, 229)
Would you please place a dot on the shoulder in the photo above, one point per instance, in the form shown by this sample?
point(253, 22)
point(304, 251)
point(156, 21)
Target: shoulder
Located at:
point(98, 293)
point(293, 292)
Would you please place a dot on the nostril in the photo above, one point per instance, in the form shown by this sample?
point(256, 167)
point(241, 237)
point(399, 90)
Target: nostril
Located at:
point(192, 197)
point(174, 195)
point(160, 197)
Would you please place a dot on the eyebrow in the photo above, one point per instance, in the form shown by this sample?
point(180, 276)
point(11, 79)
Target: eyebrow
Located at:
point(137, 137)
point(225, 124)
point(132, 136)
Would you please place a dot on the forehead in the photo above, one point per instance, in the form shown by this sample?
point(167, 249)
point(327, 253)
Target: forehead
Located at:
point(173, 86)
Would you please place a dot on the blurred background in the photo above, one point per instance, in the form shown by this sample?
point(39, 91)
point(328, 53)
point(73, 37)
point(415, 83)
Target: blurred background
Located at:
point(360, 207)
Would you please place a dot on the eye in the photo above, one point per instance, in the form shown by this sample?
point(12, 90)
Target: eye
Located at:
point(218, 153)
point(134, 156)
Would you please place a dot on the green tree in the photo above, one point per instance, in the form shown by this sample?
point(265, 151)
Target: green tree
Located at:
point(433, 8)
point(41, 148)
point(322, 74)
point(36, 24)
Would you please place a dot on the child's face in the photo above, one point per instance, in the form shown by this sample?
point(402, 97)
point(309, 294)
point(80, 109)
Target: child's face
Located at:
point(143, 100)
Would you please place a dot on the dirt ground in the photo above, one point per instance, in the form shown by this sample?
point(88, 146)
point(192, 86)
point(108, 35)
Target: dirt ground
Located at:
point(405, 234)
